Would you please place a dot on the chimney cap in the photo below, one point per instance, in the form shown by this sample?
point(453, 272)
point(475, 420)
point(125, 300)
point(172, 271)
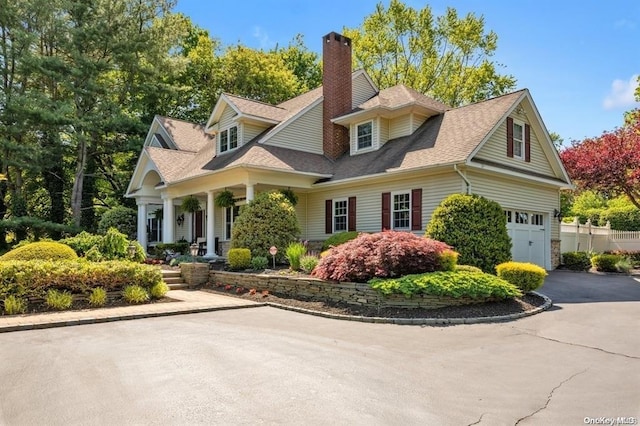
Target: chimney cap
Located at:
point(337, 37)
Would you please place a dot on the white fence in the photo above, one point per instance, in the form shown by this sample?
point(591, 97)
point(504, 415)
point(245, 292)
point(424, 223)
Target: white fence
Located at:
point(577, 237)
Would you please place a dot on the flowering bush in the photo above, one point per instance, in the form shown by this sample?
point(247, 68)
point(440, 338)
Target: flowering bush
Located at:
point(384, 254)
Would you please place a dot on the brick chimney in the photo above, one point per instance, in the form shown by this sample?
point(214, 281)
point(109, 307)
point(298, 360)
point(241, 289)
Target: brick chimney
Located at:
point(336, 90)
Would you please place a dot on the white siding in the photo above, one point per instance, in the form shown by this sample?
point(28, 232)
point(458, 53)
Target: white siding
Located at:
point(226, 119)
point(417, 122)
point(512, 194)
point(303, 134)
point(361, 90)
point(301, 212)
point(496, 150)
point(384, 130)
point(250, 131)
point(369, 201)
point(400, 126)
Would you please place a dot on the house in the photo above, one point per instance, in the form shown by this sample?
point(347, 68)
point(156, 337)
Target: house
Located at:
point(358, 158)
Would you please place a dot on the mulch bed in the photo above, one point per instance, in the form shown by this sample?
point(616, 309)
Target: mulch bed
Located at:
point(491, 309)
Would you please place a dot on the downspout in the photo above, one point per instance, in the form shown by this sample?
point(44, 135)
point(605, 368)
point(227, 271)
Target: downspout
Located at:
point(464, 178)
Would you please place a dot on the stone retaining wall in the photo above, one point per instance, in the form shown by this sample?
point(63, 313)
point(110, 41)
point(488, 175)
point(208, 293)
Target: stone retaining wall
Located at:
point(316, 289)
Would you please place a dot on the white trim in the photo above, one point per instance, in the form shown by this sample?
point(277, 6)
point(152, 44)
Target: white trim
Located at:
point(357, 137)
point(522, 175)
point(227, 129)
point(333, 214)
point(522, 141)
point(392, 210)
point(217, 112)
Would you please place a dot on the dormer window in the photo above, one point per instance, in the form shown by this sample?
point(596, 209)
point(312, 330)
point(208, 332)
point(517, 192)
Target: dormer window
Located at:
point(228, 139)
point(365, 135)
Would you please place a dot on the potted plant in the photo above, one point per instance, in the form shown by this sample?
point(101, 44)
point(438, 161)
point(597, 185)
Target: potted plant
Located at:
point(191, 204)
point(225, 199)
point(290, 195)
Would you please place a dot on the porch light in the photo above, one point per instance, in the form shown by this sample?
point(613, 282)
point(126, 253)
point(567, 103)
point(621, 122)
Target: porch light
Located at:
point(193, 248)
point(557, 214)
point(132, 250)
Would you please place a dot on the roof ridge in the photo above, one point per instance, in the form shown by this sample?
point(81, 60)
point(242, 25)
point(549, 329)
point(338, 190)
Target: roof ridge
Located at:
point(178, 119)
point(255, 100)
point(173, 151)
point(488, 100)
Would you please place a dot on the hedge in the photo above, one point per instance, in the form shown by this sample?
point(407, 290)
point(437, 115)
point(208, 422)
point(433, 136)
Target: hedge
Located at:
point(33, 278)
point(576, 260)
point(525, 276)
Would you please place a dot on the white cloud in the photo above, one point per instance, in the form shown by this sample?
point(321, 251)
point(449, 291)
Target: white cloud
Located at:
point(262, 36)
point(622, 94)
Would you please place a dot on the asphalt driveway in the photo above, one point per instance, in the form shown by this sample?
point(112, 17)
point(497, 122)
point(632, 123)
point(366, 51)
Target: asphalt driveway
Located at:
point(580, 360)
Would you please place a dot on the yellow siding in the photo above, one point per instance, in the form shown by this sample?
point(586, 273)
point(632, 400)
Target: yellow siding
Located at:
point(384, 130)
point(417, 122)
point(496, 150)
point(250, 131)
point(400, 126)
point(369, 199)
point(303, 134)
point(362, 90)
point(512, 194)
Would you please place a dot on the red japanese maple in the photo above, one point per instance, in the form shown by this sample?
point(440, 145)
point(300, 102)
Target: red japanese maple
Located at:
point(609, 163)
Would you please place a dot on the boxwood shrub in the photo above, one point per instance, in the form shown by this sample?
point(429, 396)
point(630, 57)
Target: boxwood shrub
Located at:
point(461, 284)
point(525, 276)
point(576, 260)
point(605, 262)
point(33, 278)
point(384, 254)
point(239, 258)
point(41, 250)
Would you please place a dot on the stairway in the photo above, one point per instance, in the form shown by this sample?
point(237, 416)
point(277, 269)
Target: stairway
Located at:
point(174, 280)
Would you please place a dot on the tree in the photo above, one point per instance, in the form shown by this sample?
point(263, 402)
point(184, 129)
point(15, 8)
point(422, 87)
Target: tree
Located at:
point(556, 139)
point(475, 227)
point(609, 163)
point(446, 57)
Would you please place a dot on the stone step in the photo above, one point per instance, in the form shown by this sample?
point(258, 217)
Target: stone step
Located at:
point(178, 286)
point(170, 273)
point(173, 280)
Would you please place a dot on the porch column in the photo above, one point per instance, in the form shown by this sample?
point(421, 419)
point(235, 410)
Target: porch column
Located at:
point(249, 193)
point(142, 225)
point(168, 220)
point(210, 222)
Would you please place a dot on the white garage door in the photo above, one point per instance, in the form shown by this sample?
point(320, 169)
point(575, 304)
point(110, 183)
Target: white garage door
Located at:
point(527, 232)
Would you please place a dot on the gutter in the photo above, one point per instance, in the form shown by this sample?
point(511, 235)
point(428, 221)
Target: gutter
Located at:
point(464, 178)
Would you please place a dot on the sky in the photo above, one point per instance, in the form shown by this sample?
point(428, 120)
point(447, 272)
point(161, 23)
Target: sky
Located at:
point(580, 59)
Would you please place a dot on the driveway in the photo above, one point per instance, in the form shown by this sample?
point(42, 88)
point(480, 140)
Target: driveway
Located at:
point(580, 360)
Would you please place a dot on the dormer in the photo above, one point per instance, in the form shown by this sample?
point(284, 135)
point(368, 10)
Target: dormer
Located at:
point(392, 113)
point(236, 120)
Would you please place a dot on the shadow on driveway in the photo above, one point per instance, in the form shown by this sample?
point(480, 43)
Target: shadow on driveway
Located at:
point(583, 287)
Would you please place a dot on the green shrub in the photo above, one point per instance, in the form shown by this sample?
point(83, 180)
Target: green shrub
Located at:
point(58, 300)
point(114, 245)
point(94, 255)
point(135, 294)
point(121, 218)
point(308, 263)
point(98, 297)
point(158, 290)
point(14, 305)
point(268, 220)
point(605, 262)
point(259, 263)
point(339, 238)
point(448, 284)
point(82, 243)
point(35, 228)
point(632, 255)
point(187, 259)
point(448, 260)
point(621, 218)
point(41, 251)
point(239, 258)
point(624, 265)
point(576, 260)
point(475, 227)
point(33, 278)
point(293, 254)
point(383, 254)
point(467, 268)
point(525, 276)
point(181, 247)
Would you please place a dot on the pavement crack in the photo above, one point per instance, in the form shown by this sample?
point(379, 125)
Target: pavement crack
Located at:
point(478, 421)
point(549, 397)
point(595, 348)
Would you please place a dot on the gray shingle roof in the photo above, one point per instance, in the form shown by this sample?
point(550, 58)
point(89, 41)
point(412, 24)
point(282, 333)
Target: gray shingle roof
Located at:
point(258, 109)
point(187, 136)
point(401, 95)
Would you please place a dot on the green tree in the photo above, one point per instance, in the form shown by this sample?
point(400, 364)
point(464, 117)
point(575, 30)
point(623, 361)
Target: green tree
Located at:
point(447, 57)
point(475, 227)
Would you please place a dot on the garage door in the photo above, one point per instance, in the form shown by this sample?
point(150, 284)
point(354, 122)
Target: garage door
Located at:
point(528, 236)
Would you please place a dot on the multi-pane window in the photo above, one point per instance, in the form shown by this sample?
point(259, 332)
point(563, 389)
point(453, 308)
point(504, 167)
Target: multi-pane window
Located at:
point(536, 219)
point(365, 135)
point(339, 215)
point(229, 139)
point(230, 215)
point(518, 139)
point(508, 215)
point(522, 218)
point(401, 210)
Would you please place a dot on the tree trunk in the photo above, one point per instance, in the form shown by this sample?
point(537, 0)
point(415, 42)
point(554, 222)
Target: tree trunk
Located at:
point(78, 183)
point(88, 215)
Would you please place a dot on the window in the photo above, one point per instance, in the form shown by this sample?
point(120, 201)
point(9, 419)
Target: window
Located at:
point(537, 219)
point(365, 135)
point(522, 217)
point(508, 214)
point(229, 139)
point(230, 215)
point(518, 139)
point(339, 215)
point(401, 210)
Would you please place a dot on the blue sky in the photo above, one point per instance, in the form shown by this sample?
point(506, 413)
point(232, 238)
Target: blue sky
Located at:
point(579, 59)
